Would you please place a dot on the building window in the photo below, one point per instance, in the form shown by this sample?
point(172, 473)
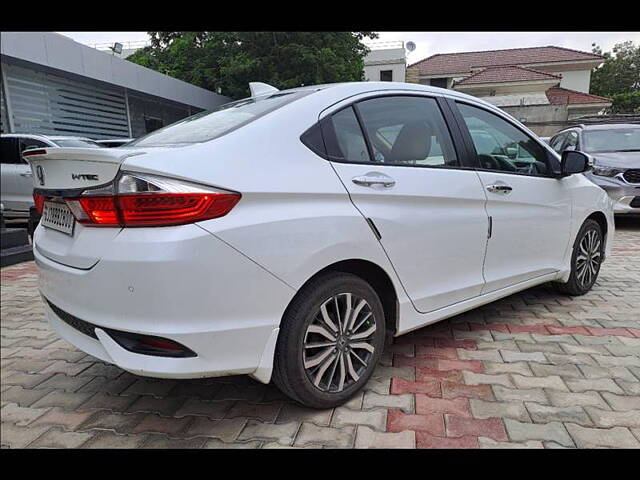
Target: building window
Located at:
point(151, 124)
point(439, 82)
point(386, 75)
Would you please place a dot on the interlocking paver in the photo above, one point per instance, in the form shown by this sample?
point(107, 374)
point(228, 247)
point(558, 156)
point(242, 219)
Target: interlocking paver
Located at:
point(532, 370)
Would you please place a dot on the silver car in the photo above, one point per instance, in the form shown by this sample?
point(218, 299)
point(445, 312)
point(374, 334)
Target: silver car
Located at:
point(17, 182)
point(615, 149)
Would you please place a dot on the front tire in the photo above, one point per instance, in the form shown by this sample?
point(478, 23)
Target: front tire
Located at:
point(331, 339)
point(588, 251)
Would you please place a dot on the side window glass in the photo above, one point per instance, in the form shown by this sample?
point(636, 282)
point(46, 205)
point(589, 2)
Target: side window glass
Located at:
point(408, 131)
point(557, 142)
point(501, 146)
point(9, 150)
point(572, 141)
point(350, 145)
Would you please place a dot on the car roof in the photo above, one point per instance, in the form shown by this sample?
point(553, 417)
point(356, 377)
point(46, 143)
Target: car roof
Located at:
point(600, 126)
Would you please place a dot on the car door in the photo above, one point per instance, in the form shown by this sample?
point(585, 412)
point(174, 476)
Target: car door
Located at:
point(9, 157)
point(528, 205)
point(396, 158)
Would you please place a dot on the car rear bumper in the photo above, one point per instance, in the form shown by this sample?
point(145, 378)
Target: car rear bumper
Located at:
point(196, 291)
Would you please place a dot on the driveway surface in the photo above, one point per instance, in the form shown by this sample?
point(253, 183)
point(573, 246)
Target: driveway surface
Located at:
point(533, 370)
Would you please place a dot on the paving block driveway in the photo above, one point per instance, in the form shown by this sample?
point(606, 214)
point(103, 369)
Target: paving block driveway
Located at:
point(533, 370)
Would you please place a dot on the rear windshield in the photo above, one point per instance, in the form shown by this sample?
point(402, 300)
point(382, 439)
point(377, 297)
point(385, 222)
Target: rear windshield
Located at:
point(211, 124)
point(614, 140)
point(77, 143)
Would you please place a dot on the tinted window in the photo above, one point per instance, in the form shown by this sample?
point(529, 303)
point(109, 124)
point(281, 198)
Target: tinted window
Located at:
point(77, 143)
point(501, 146)
point(407, 131)
point(208, 125)
point(351, 146)
point(614, 140)
point(9, 150)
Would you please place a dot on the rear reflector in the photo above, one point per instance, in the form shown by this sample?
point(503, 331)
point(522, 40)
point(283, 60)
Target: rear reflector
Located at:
point(39, 151)
point(150, 345)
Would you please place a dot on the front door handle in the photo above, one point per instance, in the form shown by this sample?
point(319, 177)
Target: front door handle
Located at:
point(499, 188)
point(26, 174)
point(372, 178)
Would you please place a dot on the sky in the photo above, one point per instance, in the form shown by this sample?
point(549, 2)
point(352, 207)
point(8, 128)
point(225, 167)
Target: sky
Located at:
point(430, 43)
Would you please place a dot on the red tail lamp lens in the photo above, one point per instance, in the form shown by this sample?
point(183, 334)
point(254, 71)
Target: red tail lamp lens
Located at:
point(98, 210)
point(174, 208)
point(39, 201)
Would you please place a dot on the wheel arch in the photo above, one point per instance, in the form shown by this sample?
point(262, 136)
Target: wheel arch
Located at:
point(373, 274)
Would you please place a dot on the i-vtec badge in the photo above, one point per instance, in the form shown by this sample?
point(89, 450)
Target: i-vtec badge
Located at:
point(84, 176)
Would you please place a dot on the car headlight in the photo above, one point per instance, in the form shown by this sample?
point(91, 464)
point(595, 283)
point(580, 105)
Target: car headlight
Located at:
point(605, 171)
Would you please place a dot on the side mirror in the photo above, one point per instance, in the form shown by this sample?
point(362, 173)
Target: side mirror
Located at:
point(570, 148)
point(574, 162)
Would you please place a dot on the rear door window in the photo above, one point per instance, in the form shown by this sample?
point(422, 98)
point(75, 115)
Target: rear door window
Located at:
point(408, 131)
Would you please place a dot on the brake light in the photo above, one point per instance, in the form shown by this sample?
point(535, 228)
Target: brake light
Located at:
point(149, 201)
point(38, 151)
point(38, 199)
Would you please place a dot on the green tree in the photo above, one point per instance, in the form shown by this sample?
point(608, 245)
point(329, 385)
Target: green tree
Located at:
point(226, 62)
point(620, 72)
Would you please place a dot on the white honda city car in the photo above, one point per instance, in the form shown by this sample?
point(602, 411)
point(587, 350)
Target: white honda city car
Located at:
point(287, 235)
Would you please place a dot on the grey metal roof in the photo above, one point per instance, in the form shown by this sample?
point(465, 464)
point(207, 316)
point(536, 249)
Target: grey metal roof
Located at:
point(58, 52)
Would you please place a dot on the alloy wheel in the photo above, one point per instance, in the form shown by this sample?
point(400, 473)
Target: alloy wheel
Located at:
point(339, 342)
point(588, 258)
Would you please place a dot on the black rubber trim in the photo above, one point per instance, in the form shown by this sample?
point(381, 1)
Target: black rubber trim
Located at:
point(127, 340)
point(80, 325)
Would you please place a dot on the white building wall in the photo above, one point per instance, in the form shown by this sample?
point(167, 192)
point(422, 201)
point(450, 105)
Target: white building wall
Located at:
point(372, 72)
point(578, 80)
point(393, 59)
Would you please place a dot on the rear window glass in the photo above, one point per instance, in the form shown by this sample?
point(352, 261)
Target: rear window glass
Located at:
point(77, 143)
point(211, 124)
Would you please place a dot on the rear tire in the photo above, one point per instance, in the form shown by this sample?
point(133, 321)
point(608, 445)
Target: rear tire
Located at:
point(586, 258)
point(323, 355)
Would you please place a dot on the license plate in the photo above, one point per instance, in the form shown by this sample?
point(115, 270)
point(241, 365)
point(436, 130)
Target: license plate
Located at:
point(57, 216)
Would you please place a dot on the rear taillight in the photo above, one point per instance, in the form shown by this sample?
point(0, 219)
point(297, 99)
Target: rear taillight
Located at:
point(140, 200)
point(38, 199)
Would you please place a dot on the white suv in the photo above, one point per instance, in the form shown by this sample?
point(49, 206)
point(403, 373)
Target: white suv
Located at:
point(285, 235)
point(17, 184)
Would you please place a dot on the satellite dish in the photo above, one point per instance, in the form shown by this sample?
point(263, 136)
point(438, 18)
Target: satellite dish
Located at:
point(410, 46)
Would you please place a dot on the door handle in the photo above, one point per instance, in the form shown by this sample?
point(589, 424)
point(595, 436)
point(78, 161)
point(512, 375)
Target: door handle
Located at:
point(26, 174)
point(372, 178)
point(498, 188)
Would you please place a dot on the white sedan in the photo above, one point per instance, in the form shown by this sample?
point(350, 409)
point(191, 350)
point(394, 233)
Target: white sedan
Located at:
point(286, 235)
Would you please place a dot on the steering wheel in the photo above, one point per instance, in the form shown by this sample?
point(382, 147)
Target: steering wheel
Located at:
point(488, 162)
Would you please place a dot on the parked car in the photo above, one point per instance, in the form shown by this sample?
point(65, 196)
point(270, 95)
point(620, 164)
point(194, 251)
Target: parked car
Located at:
point(114, 142)
point(615, 149)
point(16, 176)
point(284, 236)
point(545, 139)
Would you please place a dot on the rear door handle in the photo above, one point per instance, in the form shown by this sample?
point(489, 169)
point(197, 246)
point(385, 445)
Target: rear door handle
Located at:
point(372, 178)
point(26, 174)
point(499, 188)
